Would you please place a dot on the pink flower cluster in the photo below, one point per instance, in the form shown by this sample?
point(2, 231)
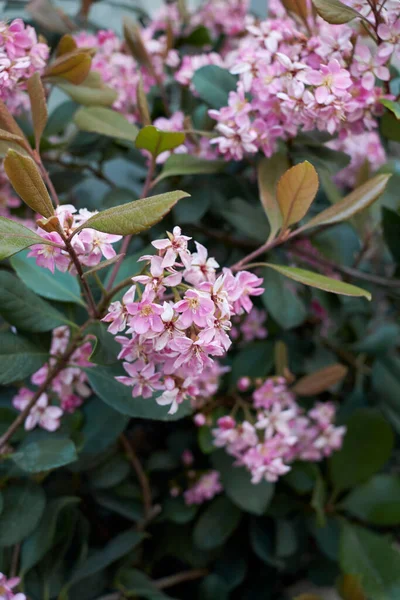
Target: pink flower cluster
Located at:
point(365, 149)
point(250, 327)
point(205, 488)
point(89, 245)
point(68, 389)
point(280, 433)
point(222, 17)
point(7, 586)
point(292, 80)
point(20, 56)
point(179, 321)
point(120, 71)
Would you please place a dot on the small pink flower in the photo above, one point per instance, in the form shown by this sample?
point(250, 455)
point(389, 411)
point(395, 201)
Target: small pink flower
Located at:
point(7, 586)
point(331, 79)
point(196, 307)
point(171, 248)
point(205, 488)
point(145, 315)
point(47, 417)
point(143, 379)
point(48, 256)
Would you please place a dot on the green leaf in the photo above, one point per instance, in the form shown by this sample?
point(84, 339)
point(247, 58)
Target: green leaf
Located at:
point(286, 539)
point(295, 192)
point(15, 237)
point(357, 200)
point(269, 171)
point(38, 106)
point(19, 357)
point(105, 121)
point(156, 141)
point(106, 349)
point(386, 383)
point(37, 544)
point(335, 12)
point(216, 524)
point(100, 559)
point(318, 501)
point(92, 92)
point(102, 427)
point(394, 107)
point(187, 164)
point(134, 217)
point(391, 231)
point(119, 397)
point(110, 473)
point(319, 281)
point(380, 341)
point(28, 183)
point(390, 127)
point(376, 502)
point(24, 504)
point(19, 306)
point(373, 559)
point(247, 218)
point(281, 301)
point(213, 85)
point(45, 455)
point(367, 446)
point(136, 583)
point(213, 587)
point(238, 487)
point(59, 286)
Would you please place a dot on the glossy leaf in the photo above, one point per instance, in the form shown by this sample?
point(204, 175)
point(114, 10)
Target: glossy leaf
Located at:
point(45, 454)
point(59, 286)
point(15, 237)
point(367, 446)
point(26, 498)
point(320, 281)
point(105, 121)
point(106, 349)
point(216, 524)
point(28, 183)
point(335, 12)
point(119, 397)
point(371, 557)
point(186, 164)
point(38, 106)
point(135, 583)
point(24, 309)
point(36, 546)
point(269, 171)
point(394, 107)
point(19, 357)
point(320, 381)
point(377, 501)
point(156, 141)
point(358, 200)
point(282, 302)
point(238, 487)
point(92, 92)
point(296, 191)
point(134, 217)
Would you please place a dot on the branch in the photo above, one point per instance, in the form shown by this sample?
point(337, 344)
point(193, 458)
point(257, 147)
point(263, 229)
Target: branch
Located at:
point(172, 580)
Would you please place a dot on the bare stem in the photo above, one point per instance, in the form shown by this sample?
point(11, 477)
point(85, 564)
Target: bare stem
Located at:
point(167, 582)
point(142, 477)
point(85, 286)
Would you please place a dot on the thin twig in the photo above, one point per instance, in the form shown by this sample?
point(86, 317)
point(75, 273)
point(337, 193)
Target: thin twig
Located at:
point(85, 286)
point(15, 561)
point(142, 477)
point(167, 582)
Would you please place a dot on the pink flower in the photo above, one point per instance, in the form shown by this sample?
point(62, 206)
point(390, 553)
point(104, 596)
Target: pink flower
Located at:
point(143, 378)
point(146, 315)
point(247, 284)
point(47, 417)
point(205, 488)
point(97, 244)
point(170, 248)
point(330, 79)
point(202, 267)
point(196, 307)
point(6, 588)
point(194, 354)
point(48, 256)
point(157, 280)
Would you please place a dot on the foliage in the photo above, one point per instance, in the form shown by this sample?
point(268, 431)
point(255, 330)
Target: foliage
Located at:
point(212, 412)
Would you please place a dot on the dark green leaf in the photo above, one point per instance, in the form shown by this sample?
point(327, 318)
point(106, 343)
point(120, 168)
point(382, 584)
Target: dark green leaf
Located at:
point(24, 504)
point(119, 397)
point(187, 164)
point(44, 455)
point(248, 219)
point(366, 448)
point(59, 286)
point(19, 358)
point(394, 107)
point(15, 237)
point(114, 550)
point(36, 546)
point(380, 341)
point(213, 85)
point(281, 301)
point(391, 231)
point(106, 348)
point(156, 141)
point(373, 559)
point(92, 92)
point(390, 127)
point(102, 426)
point(135, 583)
point(213, 587)
point(238, 487)
point(110, 473)
point(377, 501)
point(24, 309)
point(216, 524)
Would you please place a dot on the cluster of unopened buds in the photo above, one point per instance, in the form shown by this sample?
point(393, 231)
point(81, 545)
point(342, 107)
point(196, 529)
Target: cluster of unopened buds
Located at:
point(280, 432)
point(7, 586)
point(179, 321)
point(89, 245)
point(67, 390)
point(21, 54)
